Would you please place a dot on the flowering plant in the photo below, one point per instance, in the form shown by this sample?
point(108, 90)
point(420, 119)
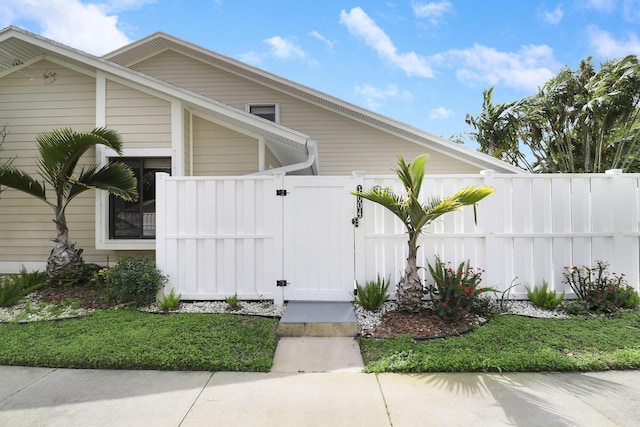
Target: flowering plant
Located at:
point(454, 292)
point(600, 290)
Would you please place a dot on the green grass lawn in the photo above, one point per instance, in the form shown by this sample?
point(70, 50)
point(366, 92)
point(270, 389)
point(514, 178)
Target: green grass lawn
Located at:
point(127, 339)
point(511, 343)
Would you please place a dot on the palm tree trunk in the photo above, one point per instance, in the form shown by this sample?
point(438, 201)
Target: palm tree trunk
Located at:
point(65, 262)
point(409, 291)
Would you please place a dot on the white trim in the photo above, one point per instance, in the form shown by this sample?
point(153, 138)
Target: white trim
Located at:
point(190, 143)
point(177, 138)
point(103, 242)
point(261, 154)
point(101, 99)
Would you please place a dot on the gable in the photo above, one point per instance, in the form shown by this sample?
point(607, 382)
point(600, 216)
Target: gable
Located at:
point(156, 54)
point(344, 145)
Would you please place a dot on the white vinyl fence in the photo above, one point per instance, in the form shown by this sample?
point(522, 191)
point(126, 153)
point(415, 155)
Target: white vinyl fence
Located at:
point(225, 235)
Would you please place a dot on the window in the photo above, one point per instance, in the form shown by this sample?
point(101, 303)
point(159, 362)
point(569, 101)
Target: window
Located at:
point(266, 111)
point(137, 220)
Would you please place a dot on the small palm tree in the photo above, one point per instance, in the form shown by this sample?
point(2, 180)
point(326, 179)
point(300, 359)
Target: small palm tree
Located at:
point(415, 216)
point(60, 151)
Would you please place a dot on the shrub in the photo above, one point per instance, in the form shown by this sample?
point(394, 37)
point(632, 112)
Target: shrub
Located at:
point(170, 301)
point(17, 286)
point(373, 294)
point(233, 302)
point(543, 297)
point(134, 281)
point(600, 290)
point(454, 292)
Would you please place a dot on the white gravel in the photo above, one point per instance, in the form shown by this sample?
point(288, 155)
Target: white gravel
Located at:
point(251, 308)
point(31, 309)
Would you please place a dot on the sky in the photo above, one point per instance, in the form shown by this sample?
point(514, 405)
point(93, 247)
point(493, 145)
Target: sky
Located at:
point(424, 63)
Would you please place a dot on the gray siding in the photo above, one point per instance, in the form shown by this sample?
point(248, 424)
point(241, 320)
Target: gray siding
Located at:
point(219, 151)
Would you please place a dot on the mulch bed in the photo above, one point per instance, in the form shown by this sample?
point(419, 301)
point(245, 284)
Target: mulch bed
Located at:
point(88, 297)
point(422, 325)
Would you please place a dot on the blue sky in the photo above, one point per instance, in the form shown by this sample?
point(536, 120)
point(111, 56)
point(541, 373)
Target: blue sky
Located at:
point(424, 63)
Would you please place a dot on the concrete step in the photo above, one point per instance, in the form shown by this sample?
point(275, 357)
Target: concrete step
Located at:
point(317, 354)
point(318, 319)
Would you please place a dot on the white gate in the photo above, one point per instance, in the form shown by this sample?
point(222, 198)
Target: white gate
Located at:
point(318, 239)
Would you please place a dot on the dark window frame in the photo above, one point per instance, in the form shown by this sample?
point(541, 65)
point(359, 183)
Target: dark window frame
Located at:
point(127, 219)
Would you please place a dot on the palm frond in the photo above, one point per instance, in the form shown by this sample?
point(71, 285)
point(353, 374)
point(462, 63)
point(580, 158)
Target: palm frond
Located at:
point(386, 198)
point(14, 178)
point(61, 149)
point(116, 178)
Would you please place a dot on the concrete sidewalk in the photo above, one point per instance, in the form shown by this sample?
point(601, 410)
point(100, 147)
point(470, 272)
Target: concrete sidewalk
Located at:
point(68, 397)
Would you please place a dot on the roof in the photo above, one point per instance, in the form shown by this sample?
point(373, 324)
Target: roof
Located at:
point(19, 48)
point(159, 42)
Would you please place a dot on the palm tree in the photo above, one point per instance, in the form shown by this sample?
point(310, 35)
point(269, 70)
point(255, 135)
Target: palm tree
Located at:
point(415, 216)
point(60, 151)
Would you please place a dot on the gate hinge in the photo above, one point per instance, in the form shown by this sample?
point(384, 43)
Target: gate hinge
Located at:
point(281, 283)
point(281, 192)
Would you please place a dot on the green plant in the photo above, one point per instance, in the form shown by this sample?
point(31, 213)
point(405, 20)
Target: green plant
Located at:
point(134, 281)
point(58, 166)
point(17, 286)
point(577, 307)
point(603, 292)
point(454, 292)
point(544, 297)
point(233, 302)
point(373, 294)
point(416, 216)
point(170, 301)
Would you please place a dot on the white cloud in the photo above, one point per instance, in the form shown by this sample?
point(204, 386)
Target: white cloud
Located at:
point(601, 5)
point(440, 113)
point(526, 69)
point(284, 49)
point(88, 27)
point(375, 97)
point(251, 57)
point(323, 39)
point(432, 10)
point(608, 47)
point(115, 6)
point(553, 17)
point(361, 25)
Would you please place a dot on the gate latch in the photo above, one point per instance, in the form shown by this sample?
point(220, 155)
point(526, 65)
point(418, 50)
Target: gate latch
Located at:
point(356, 220)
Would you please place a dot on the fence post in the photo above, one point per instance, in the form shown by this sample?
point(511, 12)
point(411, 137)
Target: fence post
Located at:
point(359, 270)
point(278, 239)
point(624, 226)
point(162, 259)
point(493, 264)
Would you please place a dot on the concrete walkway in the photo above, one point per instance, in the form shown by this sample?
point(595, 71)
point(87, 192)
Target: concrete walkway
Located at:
point(68, 397)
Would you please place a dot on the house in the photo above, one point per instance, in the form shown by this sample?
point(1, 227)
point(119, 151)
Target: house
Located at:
point(187, 111)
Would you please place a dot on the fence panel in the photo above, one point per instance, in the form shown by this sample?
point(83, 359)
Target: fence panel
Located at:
point(215, 236)
point(224, 235)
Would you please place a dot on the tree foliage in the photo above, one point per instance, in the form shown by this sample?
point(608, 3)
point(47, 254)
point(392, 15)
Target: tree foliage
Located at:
point(416, 215)
point(58, 166)
point(579, 121)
